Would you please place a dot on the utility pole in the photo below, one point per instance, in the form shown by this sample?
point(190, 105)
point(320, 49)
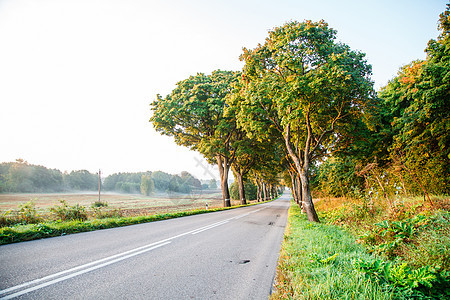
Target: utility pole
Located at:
point(99, 183)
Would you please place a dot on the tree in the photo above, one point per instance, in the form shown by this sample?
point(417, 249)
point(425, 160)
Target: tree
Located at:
point(418, 99)
point(309, 88)
point(193, 114)
point(81, 180)
point(337, 177)
point(147, 185)
point(257, 147)
point(124, 182)
point(20, 176)
point(212, 184)
point(192, 182)
point(249, 152)
point(293, 182)
point(161, 180)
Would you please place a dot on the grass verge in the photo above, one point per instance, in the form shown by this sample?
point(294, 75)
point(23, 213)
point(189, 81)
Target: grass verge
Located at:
point(317, 262)
point(324, 261)
point(28, 232)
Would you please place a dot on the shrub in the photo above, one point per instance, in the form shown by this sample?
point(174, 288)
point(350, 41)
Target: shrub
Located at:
point(7, 218)
point(65, 212)
point(406, 282)
point(100, 213)
point(20, 233)
point(99, 204)
point(28, 213)
point(320, 261)
point(432, 245)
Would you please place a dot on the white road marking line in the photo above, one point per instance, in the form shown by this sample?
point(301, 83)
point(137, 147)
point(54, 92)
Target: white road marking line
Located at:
point(76, 268)
point(241, 216)
point(26, 291)
point(102, 262)
point(249, 213)
point(210, 226)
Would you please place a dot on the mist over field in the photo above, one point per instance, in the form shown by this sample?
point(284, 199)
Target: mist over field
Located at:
point(22, 177)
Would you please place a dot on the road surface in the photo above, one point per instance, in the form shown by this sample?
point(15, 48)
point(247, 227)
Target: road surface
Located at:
point(223, 255)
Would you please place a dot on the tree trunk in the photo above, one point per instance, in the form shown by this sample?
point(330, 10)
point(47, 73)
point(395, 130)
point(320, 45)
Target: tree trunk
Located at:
point(240, 181)
point(294, 187)
point(223, 170)
point(226, 194)
point(403, 184)
point(268, 192)
point(258, 190)
point(264, 191)
point(303, 172)
point(308, 204)
point(260, 186)
point(298, 182)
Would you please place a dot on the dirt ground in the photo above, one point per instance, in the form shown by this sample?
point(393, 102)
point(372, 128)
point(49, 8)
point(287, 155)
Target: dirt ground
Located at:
point(130, 204)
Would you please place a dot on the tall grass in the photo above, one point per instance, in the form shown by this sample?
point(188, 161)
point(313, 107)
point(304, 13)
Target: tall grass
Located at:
point(409, 240)
point(411, 230)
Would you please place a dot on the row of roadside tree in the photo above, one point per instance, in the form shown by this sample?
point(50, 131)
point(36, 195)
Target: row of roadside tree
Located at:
point(303, 112)
point(299, 97)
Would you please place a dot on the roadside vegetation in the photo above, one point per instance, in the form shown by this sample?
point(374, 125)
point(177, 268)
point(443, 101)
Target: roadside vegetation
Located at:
point(318, 261)
point(303, 113)
point(382, 199)
point(26, 223)
point(362, 252)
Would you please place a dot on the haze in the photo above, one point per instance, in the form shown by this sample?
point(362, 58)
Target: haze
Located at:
point(77, 77)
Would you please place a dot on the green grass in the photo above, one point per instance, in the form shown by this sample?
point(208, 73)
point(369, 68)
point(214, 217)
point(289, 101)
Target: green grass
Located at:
point(324, 261)
point(317, 261)
point(28, 232)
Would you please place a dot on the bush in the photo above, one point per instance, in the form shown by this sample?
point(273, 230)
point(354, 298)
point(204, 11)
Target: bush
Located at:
point(100, 213)
point(28, 213)
point(99, 204)
point(432, 245)
point(28, 232)
point(406, 282)
point(65, 212)
point(7, 218)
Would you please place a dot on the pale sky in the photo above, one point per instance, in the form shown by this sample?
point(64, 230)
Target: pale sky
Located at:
point(77, 77)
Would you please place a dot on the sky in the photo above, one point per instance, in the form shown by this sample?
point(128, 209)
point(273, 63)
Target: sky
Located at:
point(77, 77)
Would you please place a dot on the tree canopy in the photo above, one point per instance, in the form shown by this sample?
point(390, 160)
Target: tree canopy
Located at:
point(304, 107)
point(309, 88)
point(418, 100)
point(409, 151)
point(22, 177)
point(193, 113)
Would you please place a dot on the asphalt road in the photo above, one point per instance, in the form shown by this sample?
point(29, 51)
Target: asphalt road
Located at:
point(223, 255)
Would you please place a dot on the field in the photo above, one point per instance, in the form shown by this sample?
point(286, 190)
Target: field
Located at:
point(129, 204)
point(25, 217)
